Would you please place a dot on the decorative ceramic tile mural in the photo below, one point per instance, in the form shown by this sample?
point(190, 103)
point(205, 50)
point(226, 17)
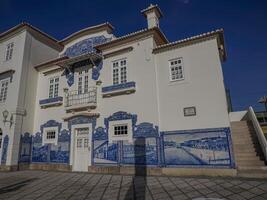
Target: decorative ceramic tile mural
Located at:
point(142, 151)
point(25, 148)
point(104, 152)
point(197, 147)
point(50, 152)
point(4, 150)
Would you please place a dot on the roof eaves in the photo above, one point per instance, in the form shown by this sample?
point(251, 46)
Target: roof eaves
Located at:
point(50, 62)
point(127, 36)
point(191, 39)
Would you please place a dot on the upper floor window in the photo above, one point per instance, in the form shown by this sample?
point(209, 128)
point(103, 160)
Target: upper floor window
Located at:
point(83, 81)
point(119, 71)
point(9, 51)
point(53, 87)
point(176, 69)
point(3, 90)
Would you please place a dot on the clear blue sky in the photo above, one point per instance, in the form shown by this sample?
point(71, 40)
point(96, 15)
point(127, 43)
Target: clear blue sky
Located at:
point(244, 22)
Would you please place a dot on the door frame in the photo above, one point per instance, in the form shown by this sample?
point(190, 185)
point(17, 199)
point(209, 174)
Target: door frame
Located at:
point(72, 143)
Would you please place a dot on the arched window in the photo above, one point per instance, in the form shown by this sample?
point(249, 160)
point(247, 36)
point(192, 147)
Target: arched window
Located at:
point(1, 135)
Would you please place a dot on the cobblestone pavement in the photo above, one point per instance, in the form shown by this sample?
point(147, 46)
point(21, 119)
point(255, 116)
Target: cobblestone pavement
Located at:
point(42, 185)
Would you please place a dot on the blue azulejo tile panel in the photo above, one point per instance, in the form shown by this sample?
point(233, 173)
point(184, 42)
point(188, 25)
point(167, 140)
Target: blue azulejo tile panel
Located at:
point(39, 153)
point(25, 148)
point(142, 151)
point(60, 153)
point(50, 100)
point(206, 147)
point(51, 153)
point(85, 46)
point(4, 150)
point(118, 87)
point(104, 152)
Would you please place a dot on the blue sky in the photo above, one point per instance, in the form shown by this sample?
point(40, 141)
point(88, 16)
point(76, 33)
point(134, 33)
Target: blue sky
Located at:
point(244, 22)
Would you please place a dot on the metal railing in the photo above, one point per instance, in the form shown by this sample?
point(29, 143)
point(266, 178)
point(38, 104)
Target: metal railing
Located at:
point(262, 117)
point(258, 130)
point(76, 97)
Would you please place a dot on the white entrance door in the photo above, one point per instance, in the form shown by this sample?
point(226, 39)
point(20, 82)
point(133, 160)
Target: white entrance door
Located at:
point(82, 153)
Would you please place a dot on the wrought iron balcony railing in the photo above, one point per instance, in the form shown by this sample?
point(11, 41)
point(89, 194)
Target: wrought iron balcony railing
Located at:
point(78, 99)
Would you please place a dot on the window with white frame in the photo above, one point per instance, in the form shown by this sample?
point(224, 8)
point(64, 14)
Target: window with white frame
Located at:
point(83, 81)
point(3, 90)
point(121, 129)
point(53, 87)
point(176, 69)
point(9, 51)
point(119, 71)
point(50, 135)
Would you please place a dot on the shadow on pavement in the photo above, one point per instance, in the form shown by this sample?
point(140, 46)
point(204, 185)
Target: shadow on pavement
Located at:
point(15, 186)
point(138, 188)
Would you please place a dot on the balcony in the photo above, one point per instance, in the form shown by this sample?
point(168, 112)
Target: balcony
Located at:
point(76, 100)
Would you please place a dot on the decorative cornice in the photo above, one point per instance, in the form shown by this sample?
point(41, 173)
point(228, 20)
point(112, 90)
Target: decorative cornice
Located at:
point(160, 38)
point(151, 8)
point(89, 30)
point(7, 74)
point(49, 63)
point(218, 34)
point(44, 37)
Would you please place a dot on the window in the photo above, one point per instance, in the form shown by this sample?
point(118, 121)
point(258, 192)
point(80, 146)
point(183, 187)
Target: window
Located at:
point(83, 82)
point(79, 143)
point(176, 70)
point(3, 90)
point(53, 87)
point(9, 51)
point(119, 71)
point(121, 130)
point(50, 135)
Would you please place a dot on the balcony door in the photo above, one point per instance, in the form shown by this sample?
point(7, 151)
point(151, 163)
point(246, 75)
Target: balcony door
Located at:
point(83, 81)
point(82, 150)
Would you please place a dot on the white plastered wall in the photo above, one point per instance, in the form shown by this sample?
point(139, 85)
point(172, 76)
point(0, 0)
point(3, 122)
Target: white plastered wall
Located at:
point(203, 88)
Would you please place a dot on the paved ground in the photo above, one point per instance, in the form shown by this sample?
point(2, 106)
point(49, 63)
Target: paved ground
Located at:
point(58, 185)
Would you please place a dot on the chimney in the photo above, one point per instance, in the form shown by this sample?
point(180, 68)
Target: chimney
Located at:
point(152, 14)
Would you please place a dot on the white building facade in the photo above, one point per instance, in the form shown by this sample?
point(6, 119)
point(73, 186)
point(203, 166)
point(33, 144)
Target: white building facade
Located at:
point(94, 101)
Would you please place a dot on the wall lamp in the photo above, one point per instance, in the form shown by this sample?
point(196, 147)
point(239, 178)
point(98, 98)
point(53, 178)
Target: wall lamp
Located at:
point(5, 116)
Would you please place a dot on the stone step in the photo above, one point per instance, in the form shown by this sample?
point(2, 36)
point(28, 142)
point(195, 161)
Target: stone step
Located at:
point(249, 159)
point(244, 146)
point(250, 163)
point(246, 150)
point(245, 154)
point(252, 172)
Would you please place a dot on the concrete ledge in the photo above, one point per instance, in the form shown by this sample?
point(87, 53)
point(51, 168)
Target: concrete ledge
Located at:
point(24, 166)
point(50, 166)
point(104, 169)
point(8, 168)
point(198, 172)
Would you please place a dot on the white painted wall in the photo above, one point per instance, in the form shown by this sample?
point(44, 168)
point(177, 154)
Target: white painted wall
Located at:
point(237, 116)
point(21, 96)
point(140, 69)
point(203, 87)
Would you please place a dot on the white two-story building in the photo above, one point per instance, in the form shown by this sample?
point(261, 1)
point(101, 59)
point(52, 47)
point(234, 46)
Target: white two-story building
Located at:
point(95, 101)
